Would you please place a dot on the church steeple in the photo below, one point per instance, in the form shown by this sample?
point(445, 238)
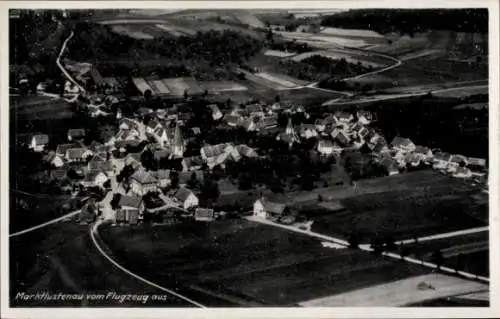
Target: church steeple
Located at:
point(178, 142)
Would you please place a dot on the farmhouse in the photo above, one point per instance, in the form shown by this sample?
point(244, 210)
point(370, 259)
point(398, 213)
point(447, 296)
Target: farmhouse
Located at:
point(204, 214)
point(94, 178)
point(441, 161)
point(476, 163)
point(218, 154)
point(307, 131)
point(142, 182)
point(264, 208)
point(364, 117)
point(247, 151)
point(403, 145)
point(233, 120)
point(423, 152)
point(216, 113)
point(79, 154)
point(343, 117)
point(75, 134)
point(462, 172)
point(129, 208)
point(52, 159)
point(328, 147)
point(39, 142)
point(163, 177)
point(186, 198)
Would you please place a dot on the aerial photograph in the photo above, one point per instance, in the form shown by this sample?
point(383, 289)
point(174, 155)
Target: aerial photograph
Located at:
point(248, 158)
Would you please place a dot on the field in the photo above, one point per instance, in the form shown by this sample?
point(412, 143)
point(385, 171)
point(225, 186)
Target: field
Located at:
point(142, 85)
point(281, 80)
point(250, 19)
point(177, 86)
point(62, 258)
point(464, 92)
point(349, 56)
point(260, 265)
point(172, 86)
point(136, 34)
point(420, 204)
point(39, 108)
point(222, 86)
point(336, 38)
point(279, 54)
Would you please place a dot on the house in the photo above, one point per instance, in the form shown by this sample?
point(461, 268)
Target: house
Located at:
point(364, 117)
point(39, 142)
point(307, 131)
point(75, 134)
point(423, 152)
point(322, 124)
point(328, 147)
point(476, 163)
point(185, 177)
point(216, 113)
point(191, 163)
point(158, 155)
point(59, 174)
point(142, 182)
point(128, 124)
point(218, 154)
point(129, 208)
point(341, 137)
point(441, 161)
point(249, 125)
point(144, 111)
point(390, 166)
point(152, 126)
point(265, 208)
point(79, 154)
point(94, 178)
point(195, 131)
point(462, 172)
point(254, 110)
point(413, 159)
point(164, 136)
point(53, 159)
point(186, 198)
point(204, 214)
point(232, 120)
point(456, 161)
point(133, 159)
point(247, 151)
point(267, 122)
point(403, 145)
point(343, 117)
point(163, 177)
point(97, 163)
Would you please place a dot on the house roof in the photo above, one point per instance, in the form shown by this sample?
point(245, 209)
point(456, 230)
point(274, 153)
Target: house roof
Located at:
point(105, 166)
point(246, 150)
point(272, 206)
point(268, 121)
point(41, 139)
point(476, 161)
point(133, 157)
point(326, 143)
point(401, 142)
point(153, 124)
point(125, 143)
point(254, 108)
point(366, 114)
point(419, 149)
point(182, 194)
point(59, 174)
point(232, 119)
point(343, 115)
point(458, 158)
point(162, 174)
point(305, 126)
point(75, 153)
point(129, 122)
point(143, 177)
point(161, 154)
point(130, 201)
point(184, 177)
point(442, 156)
point(76, 132)
point(215, 150)
point(462, 170)
point(193, 161)
point(92, 174)
point(63, 148)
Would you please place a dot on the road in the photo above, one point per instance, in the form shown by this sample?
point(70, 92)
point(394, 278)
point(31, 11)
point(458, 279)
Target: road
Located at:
point(94, 231)
point(445, 235)
point(63, 70)
point(53, 221)
point(366, 248)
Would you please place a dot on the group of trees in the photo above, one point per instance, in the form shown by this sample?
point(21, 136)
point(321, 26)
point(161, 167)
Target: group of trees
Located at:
point(291, 46)
point(410, 21)
point(317, 68)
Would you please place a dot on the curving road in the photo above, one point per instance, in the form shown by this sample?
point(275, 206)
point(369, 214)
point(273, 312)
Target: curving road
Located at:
point(94, 232)
point(445, 235)
point(63, 70)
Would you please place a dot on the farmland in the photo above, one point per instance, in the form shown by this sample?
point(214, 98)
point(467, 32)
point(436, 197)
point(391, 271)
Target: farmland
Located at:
point(249, 260)
point(415, 204)
point(39, 108)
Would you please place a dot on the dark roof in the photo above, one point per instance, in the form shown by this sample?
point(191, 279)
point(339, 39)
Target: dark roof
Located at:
point(421, 149)
point(204, 213)
point(214, 150)
point(75, 153)
point(193, 161)
point(273, 206)
point(59, 174)
point(77, 132)
point(182, 194)
point(232, 119)
point(130, 201)
point(401, 142)
point(41, 139)
point(91, 175)
point(161, 154)
point(63, 148)
point(163, 174)
point(143, 177)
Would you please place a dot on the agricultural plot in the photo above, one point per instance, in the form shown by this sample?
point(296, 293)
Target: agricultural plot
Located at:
point(352, 33)
point(222, 86)
point(170, 29)
point(250, 20)
point(365, 59)
point(258, 263)
point(142, 85)
point(125, 30)
point(177, 86)
point(403, 207)
point(463, 92)
point(159, 87)
point(39, 108)
point(280, 80)
point(333, 40)
point(279, 54)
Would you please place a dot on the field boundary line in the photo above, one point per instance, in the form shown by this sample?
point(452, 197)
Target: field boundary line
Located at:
point(94, 231)
point(444, 235)
point(53, 221)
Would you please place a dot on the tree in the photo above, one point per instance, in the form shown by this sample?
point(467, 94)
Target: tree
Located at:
point(193, 181)
point(174, 179)
point(115, 200)
point(147, 94)
point(277, 98)
point(353, 240)
point(437, 258)
point(210, 189)
point(107, 184)
point(320, 198)
point(147, 159)
point(186, 94)
point(244, 182)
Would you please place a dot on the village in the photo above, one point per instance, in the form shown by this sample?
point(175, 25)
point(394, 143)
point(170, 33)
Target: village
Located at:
point(145, 172)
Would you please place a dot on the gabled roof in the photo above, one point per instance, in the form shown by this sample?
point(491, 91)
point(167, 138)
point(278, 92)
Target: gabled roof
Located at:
point(204, 213)
point(158, 155)
point(76, 132)
point(193, 161)
point(59, 174)
point(184, 177)
point(153, 124)
point(232, 119)
point(401, 142)
point(143, 177)
point(458, 158)
point(41, 139)
point(268, 121)
point(246, 150)
point(133, 156)
point(366, 114)
point(63, 148)
point(91, 175)
point(442, 157)
point(163, 174)
point(419, 149)
point(215, 150)
point(129, 122)
point(125, 143)
point(130, 201)
point(341, 115)
point(75, 153)
point(476, 161)
point(182, 194)
point(307, 127)
point(462, 170)
point(272, 206)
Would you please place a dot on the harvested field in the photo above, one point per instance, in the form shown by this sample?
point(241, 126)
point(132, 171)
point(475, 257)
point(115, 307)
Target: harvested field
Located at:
point(142, 85)
point(277, 79)
point(374, 61)
point(177, 86)
point(169, 29)
point(125, 30)
point(257, 263)
point(159, 87)
point(280, 54)
point(463, 92)
point(222, 86)
point(39, 108)
point(250, 19)
point(402, 292)
point(333, 40)
point(352, 33)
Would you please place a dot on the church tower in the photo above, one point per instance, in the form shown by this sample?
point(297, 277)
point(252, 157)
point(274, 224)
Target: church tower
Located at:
point(178, 145)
